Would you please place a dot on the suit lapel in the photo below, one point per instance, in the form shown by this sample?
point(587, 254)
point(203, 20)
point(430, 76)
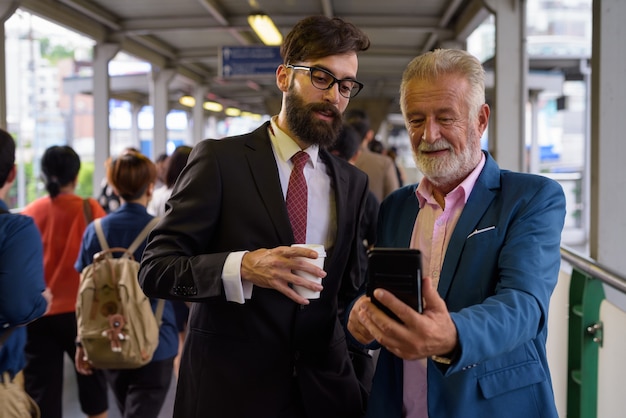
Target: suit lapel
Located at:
point(480, 199)
point(340, 183)
point(265, 176)
point(407, 218)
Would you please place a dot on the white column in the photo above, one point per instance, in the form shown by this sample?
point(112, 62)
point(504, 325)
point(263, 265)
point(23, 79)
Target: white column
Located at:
point(506, 140)
point(197, 114)
point(103, 53)
point(159, 99)
point(608, 147)
point(135, 108)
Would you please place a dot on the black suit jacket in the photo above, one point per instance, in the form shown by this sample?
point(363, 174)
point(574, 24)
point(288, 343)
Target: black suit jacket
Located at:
point(258, 358)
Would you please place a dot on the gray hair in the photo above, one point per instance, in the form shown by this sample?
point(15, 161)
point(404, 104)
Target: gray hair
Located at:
point(440, 62)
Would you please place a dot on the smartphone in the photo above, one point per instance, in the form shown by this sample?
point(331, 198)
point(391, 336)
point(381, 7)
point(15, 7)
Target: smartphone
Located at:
point(398, 270)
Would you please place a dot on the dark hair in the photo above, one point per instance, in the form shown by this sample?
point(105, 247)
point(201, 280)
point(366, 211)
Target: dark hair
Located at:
point(59, 167)
point(161, 158)
point(320, 36)
point(178, 160)
point(7, 155)
point(130, 174)
point(353, 115)
point(347, 144)
point(362, 126)
point(376, 146)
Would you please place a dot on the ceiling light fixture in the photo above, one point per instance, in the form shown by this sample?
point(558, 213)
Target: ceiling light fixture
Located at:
point(188, 101)
point(213, 106)
point(265, 29)
point(232, 111)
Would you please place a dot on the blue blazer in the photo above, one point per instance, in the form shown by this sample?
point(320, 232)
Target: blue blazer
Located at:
point(499, 271)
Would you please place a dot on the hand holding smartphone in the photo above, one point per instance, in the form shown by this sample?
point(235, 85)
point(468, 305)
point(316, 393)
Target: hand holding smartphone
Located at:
point(399, 271)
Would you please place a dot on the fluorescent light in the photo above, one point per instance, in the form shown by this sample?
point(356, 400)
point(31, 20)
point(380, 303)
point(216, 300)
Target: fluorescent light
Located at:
point(213, 106)
point(250, 115)
point(188, 101)
point(265, 29)
point(232, 111)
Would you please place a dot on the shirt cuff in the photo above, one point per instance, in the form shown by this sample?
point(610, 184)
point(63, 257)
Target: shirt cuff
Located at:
point(235, 289)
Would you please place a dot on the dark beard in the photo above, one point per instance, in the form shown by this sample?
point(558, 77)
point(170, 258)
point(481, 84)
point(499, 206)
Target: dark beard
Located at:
point(306, 127)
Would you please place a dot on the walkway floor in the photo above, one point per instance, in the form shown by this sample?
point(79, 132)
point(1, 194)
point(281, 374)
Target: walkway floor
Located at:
point(71, 407)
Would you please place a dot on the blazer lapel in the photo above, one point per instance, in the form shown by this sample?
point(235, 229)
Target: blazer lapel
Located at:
point(480, 199)
point(340, 182)
point(265, 175)
point(407, 219)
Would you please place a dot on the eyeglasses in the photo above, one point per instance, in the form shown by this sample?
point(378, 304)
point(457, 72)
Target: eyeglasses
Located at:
point(324, 80)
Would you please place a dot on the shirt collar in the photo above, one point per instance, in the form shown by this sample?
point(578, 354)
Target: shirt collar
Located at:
point(286, 147)
point(424, 189)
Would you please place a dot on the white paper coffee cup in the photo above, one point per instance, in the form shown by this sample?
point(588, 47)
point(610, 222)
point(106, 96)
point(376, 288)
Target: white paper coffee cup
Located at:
point(319, 261)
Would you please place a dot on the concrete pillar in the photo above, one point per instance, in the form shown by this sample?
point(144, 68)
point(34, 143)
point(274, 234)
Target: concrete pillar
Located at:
point(6, 11)
point(534, 155)
point(103, 53)
point(608, 148)
point(135, 135)
point(198, 117)
point(506, 133)
point(159, 99)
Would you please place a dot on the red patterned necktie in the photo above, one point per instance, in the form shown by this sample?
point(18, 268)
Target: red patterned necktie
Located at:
point(297, 197)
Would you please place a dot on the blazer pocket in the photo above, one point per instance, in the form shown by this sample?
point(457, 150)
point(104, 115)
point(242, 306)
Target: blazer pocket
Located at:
point(511, 378)
point(481, 231)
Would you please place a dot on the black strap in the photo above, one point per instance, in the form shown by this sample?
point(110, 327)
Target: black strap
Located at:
point(87, 211)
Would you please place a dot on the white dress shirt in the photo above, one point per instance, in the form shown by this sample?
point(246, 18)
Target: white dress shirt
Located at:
point(321, 208)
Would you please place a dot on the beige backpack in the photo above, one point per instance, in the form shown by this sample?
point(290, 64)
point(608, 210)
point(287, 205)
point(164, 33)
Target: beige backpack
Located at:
point(116, 325)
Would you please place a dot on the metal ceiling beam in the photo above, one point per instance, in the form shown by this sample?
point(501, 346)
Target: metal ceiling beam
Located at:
point(67, 17)
point(92, 10)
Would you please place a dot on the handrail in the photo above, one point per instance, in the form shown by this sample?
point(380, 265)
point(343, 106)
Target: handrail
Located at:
point(591, 267)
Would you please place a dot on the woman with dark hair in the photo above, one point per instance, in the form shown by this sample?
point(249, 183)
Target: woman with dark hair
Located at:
point(176, 163)
point(61, 218)
point(138, 392)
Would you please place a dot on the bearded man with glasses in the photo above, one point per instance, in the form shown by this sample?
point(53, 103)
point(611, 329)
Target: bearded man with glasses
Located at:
point(256, 347)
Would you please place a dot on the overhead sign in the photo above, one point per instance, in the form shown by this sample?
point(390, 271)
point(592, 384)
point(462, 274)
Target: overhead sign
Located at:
point(246, 61)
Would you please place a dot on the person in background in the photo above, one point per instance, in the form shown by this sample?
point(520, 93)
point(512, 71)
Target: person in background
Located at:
point(156, 207)
point(23, 293)
point(490, 244)
point(379, 168)
point(376, 147)
point(392, 152)
point(108, 199)
point(162, 162)
point(255, 347)
point(347, 147)
point(176, 163)
point(61, 218)
point(141, 392)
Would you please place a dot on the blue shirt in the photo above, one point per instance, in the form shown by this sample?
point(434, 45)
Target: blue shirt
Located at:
point(21, 285)
point(120, 230)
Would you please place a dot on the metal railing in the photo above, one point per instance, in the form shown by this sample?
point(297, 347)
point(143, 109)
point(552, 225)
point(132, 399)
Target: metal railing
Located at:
point(592, 268)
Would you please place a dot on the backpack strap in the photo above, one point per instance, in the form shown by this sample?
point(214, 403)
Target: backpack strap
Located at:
point(134, 245)
point(142, 235)
point(158, 313)
point(87, 211)
point(100, 233)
